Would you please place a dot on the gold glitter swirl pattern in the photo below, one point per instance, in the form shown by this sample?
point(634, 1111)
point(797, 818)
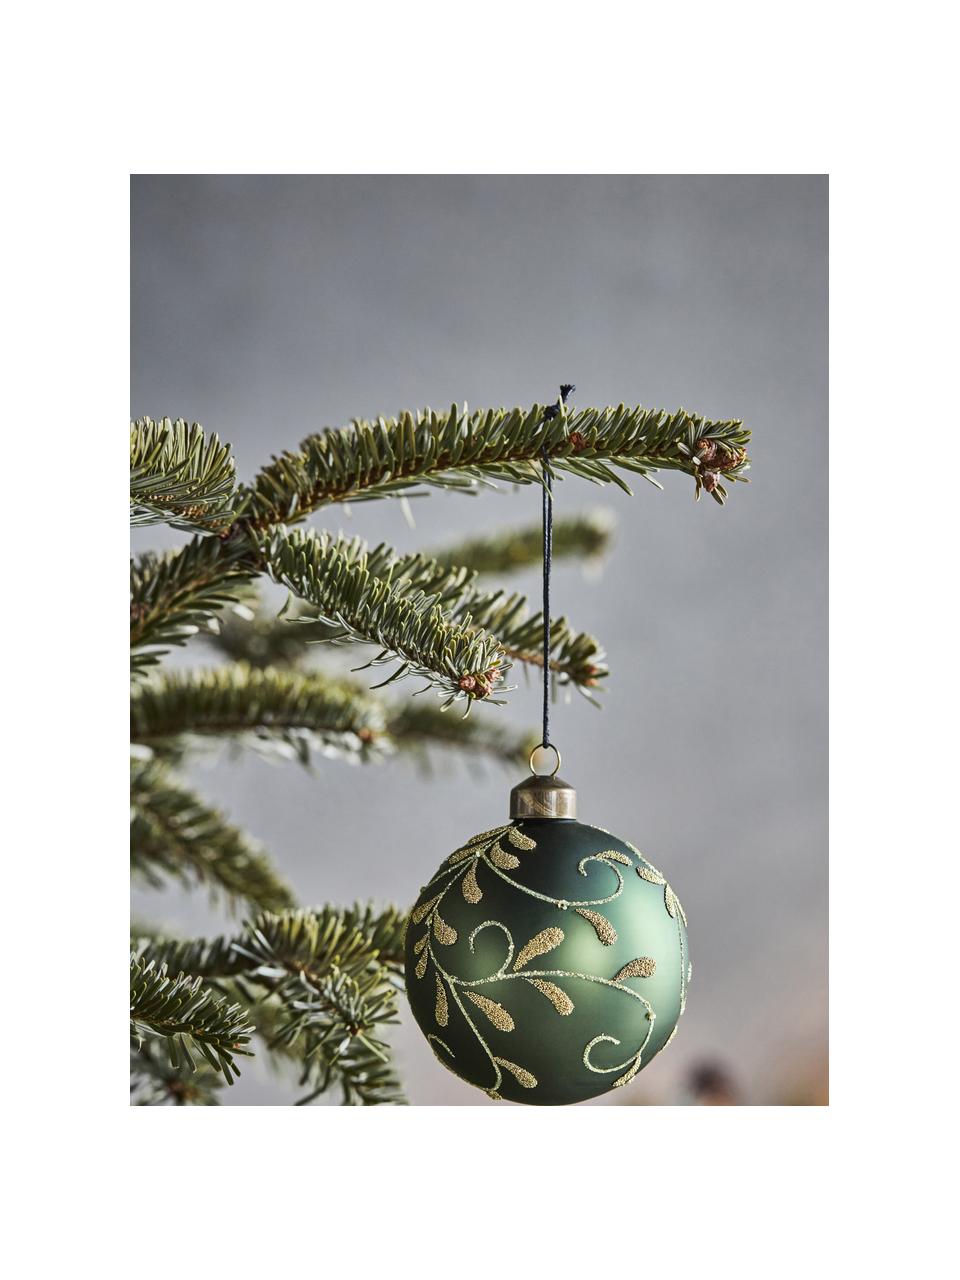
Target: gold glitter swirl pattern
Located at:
point(462, 866)
point(500, 858)
point(604, 929)
point(521, 1076)
point(441, 1010)
point(519, 840)
point(642, 967)
point(539, 945)
point(557, 997)
point(651, 874)
point(469, 887)
point(421, 912)
point(672, 903)
point(495, 1012)
point(442, 931)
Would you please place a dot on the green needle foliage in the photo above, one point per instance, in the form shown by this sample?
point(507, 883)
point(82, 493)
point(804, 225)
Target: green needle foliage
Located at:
point(180, 476)
point(292, 714)
point(316, 991)
point(584, 537)
point(155, 1082)
point(191, 1017)
point(462, 451)
point(174, 835)
point(176, 595)
point(321, 986)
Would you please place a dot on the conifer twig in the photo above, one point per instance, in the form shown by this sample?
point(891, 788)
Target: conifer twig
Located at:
point(461, 451)
point(293, 713)
point(574, 537)
point(189, 1016)
point(180, 476)
point(173, 834)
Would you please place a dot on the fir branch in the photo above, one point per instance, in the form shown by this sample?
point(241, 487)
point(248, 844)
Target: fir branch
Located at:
point(460, 450)
point(175, 595)
point(174, 834)
point(384, 931)
point(356, 938)
point(393, 611)
point(298, 714)
point(399, 586)
point(585, 536)
point(155, 1083)
point(208, 958)
point(189, 1016)
point(180, 476)
point(331, 977)
point(337, 997)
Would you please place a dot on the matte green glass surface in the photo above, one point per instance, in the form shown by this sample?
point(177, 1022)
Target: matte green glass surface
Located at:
point(529, 1045)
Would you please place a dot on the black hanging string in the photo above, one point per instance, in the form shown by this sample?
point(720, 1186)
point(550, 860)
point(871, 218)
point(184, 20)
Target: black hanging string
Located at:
point(547, 490)
point(547, 561)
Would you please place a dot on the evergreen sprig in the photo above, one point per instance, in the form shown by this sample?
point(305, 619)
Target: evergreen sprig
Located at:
point(174, 835)
point(291, 713)
point(395, 613)
point(461, 451)
point(189, 1016)
point(180, 476)
point(585, 536)
point(356, 938)
point(331, 978)
point(154, 1082)
point(337, 998)
point(176, 594)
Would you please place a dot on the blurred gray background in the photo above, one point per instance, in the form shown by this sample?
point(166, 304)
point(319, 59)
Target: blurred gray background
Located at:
point(269, 307)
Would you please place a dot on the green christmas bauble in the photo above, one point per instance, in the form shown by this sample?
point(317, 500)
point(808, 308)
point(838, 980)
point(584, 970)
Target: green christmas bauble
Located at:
point(547, 960)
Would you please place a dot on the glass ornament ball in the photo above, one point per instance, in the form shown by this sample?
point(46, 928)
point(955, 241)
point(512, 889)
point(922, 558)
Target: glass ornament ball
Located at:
point(547, 960)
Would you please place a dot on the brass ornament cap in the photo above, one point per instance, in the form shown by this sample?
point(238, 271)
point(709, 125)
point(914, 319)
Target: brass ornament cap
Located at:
point(543, 797)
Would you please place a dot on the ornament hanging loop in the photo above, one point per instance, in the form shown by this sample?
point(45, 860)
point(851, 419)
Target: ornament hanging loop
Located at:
point(538, 751)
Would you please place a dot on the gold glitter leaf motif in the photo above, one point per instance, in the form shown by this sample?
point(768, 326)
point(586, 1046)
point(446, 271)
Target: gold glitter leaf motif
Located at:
point(649, 873)
point(500, 858)
point(425, 907)
point(627, 1075)
point(495, 1012)
point(605, 930)
point(559, 999)
point(614, 855)
point(469, 887)
point(522, 1077)
point(672, 903)
point(487, 835)
point(441, 1006)
point(420, 944)
point(519, 840)
point(642, 967)
point(421, 968)
point(466, 852)
point(442, 931)
point(544, 941)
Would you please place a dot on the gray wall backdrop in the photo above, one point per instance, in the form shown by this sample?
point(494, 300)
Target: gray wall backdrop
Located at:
point(269, 307)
